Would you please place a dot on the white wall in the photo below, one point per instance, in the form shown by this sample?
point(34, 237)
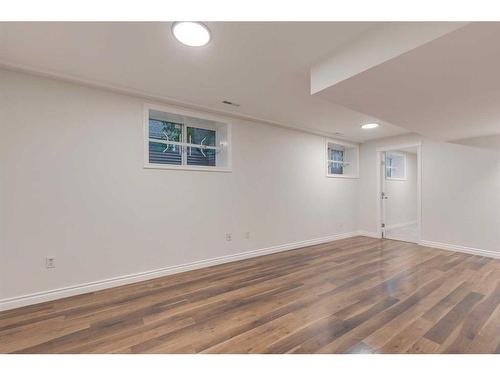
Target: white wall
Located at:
point(460, 193)
point(401, 206)
point(73, 186)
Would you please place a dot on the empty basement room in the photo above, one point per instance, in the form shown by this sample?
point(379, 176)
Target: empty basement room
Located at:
point(250, 187)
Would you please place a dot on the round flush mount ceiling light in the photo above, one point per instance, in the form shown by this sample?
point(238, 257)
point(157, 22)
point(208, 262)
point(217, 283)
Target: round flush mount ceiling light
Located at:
point(193, 34)
point(370, 126)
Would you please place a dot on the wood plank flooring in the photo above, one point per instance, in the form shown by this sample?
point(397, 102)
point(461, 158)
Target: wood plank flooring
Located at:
point(358, 295)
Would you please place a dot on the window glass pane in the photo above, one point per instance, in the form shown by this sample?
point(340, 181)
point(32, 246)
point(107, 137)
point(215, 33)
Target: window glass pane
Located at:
point(335, 168)
point(335, 154)
point(395, 166)
point(201, 156)
point(388, 167)
point(160, 153)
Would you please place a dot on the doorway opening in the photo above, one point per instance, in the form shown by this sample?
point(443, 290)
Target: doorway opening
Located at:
point(399, 171)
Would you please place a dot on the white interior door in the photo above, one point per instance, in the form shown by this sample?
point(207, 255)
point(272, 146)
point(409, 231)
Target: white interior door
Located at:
point(399, 195)
point(383, 194)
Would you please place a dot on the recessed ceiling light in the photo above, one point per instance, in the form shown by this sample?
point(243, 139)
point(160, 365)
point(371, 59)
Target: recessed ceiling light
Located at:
point(369, 126)
point(193, 34)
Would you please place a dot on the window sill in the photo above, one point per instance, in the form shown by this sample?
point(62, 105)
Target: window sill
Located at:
point(340, 176)
point(187, 168)
point(396, 179)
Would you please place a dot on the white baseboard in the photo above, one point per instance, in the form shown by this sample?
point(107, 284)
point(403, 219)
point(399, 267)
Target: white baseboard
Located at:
point(461, 249)
point(368, 234)
point(30, 299)
point(401, 225)
point(50, 295)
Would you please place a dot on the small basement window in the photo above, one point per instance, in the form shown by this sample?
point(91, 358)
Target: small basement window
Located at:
point(177, 139)
point(395, 166)
point(341, 159)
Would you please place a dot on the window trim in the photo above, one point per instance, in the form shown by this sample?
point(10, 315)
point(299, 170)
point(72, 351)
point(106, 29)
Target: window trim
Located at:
point(405, 177)
point(345, 144)
point(183, 112)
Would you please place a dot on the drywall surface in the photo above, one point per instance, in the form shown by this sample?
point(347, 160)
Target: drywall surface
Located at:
point(73, 186)
point(460, 192)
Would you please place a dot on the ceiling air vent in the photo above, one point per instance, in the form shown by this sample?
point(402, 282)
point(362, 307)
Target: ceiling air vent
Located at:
point(230, 103)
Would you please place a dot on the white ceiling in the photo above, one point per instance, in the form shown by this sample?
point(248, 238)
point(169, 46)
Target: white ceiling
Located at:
point(263, 66)
point(447, 89)
point(489, 142)
point(374, 47)
point(437, 79)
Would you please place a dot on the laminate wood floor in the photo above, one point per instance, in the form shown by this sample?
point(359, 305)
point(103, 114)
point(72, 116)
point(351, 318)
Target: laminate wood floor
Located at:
point(357, 295)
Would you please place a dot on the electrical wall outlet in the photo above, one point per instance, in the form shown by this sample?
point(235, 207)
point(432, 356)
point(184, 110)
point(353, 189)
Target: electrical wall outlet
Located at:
point(50, 262)
point(229, 236)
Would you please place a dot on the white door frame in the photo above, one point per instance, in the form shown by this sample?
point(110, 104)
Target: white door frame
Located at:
point(418, 145)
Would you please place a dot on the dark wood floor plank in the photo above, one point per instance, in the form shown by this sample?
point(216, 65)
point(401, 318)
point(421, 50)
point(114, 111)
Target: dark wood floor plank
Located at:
point(474, 322)
point(439, 332)
point(325, 337)
point(406, 337)
point(358, 334)
point(448, 302)
point(489, 336)
point(395, 328)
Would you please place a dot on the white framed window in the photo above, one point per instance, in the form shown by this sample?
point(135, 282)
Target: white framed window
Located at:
point(180, 139)
point(342, 159)
point(395, 165)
